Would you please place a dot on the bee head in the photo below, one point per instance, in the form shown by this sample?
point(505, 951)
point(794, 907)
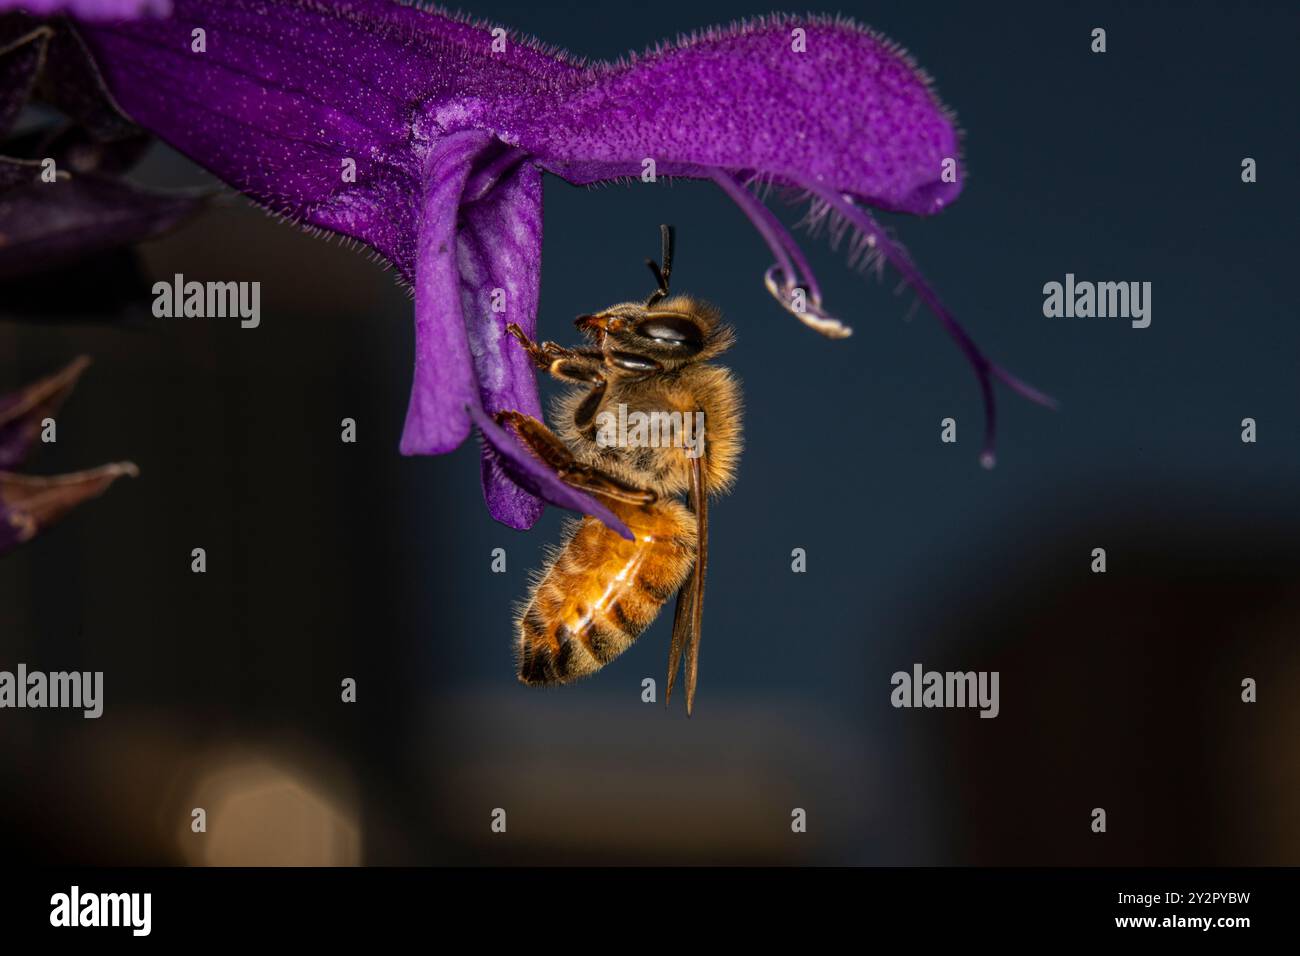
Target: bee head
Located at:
point(664, 332)
point(671, 332)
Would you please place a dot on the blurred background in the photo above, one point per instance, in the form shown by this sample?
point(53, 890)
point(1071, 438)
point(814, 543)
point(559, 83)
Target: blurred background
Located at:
point(329, 561)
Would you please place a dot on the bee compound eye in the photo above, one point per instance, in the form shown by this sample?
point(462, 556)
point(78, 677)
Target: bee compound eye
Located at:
point(672, 330)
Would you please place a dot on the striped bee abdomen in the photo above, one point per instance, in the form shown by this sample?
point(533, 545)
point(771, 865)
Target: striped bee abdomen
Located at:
point(600, 591)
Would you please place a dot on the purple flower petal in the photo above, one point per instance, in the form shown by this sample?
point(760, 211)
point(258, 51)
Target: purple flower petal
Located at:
point(851, 111)
point(436, 418)
point(21, 413)
point(385, 107)
point(285, 92)
point(529, 473)
point(500, 245)
point(29, 505)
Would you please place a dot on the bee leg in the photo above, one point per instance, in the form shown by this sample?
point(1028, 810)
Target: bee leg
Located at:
point(583, 366)
point(536, 352)
point(544, 354)
point(541, 441)
point(548, 446)
point(579, 368)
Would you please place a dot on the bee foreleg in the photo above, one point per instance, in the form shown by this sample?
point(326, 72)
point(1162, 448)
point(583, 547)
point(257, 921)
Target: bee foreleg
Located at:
point(540, 354)
point(569, 365)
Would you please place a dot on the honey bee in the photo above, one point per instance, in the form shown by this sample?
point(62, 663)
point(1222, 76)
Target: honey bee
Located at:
point(598, 591)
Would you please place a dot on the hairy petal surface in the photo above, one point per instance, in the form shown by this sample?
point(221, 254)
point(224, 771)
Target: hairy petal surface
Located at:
point(851, 111)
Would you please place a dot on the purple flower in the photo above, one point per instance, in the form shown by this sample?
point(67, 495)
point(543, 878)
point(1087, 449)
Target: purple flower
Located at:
point(425, 137)
point(79, 206)
point(28, 503)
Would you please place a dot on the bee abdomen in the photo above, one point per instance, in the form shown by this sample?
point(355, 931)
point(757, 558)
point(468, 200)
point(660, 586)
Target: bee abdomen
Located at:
point(600, 593)
point(558, 655)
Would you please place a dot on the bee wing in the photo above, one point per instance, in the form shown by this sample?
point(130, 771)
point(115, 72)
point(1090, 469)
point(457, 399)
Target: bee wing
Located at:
point(690, 599)
point(681, 624)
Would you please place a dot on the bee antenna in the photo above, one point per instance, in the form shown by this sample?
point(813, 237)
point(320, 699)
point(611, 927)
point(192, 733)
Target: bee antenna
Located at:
point(664, 273)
